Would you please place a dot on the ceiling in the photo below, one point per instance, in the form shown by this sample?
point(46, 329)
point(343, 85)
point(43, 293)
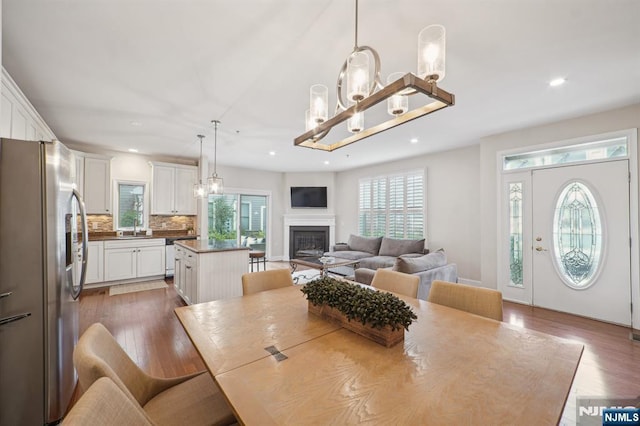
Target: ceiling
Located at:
point(151, 74)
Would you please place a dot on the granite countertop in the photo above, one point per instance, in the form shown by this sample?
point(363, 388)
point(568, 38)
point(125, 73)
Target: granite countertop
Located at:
point(205, 246)
point(104, 236)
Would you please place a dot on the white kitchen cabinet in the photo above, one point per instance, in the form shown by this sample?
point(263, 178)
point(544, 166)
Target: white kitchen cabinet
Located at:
point(77, 171)
point(190, 278)
point(120, 263)
point(95, 262)
point(172, 189)
point(95, 266)
point(135, 258)
point(204, 273)
point(150, 261)
point(97, 185)
point(19, 119)
point(178, 273)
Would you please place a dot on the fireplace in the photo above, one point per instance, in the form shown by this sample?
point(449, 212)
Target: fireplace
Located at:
point(308, 241)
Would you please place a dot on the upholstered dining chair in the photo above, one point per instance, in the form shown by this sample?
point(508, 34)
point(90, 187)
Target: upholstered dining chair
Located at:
point(255, 282)
point(476, 300)
point(397, 282)
point(193, 399)
point(104, 404)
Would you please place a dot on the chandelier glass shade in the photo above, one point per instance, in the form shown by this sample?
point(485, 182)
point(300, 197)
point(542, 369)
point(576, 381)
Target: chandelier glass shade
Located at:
point(215, 183)
point(200, 189)
point(359, 88)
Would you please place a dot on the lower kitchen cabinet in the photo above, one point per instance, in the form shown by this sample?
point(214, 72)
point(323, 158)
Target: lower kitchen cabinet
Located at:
point(133, 258)
point(185, 278)
point(178, 272)
point(190, 278)
point(95, 262)
point(202, 274)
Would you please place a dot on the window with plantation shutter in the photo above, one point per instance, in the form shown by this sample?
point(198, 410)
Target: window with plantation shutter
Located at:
point(392, 206)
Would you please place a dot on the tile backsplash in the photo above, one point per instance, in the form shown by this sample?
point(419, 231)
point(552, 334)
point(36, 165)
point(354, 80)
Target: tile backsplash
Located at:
point(104, 223)
point(100, 222)
point(172, 223)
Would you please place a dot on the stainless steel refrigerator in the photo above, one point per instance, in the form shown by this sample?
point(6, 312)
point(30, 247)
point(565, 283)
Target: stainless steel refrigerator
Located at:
point(43, 250)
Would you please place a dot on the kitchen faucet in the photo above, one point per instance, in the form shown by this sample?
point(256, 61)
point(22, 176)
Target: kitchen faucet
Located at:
point(135, 223)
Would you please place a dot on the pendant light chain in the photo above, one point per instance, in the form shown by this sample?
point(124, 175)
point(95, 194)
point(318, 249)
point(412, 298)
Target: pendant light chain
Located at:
point(356, 36)
point(215, 147)
point(200, 159)
point(216, 184)
point(199, 189)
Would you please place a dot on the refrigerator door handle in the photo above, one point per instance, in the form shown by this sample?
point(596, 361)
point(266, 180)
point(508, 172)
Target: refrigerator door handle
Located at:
point(85, 243)
point(7, 320)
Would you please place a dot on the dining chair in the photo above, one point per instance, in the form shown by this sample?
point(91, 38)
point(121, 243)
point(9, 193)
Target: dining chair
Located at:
point(476, 300)
point(255, 282)
point(104, 404)
point(193, 399)
point(397, 282)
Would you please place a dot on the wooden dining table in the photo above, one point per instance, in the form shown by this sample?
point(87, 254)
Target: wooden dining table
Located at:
point(276, 363)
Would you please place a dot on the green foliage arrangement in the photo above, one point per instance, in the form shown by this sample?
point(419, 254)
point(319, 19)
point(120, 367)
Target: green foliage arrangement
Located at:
point(375, 308)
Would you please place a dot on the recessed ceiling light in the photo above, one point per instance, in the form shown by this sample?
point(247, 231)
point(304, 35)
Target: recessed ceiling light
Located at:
point(133, 150)
point(135, 123)
point(272, 153)
point(326, 161)
point(414, 140)
point(557, 82)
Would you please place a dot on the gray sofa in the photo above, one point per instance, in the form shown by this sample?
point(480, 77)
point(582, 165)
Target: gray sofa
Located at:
point(429, 267)
point(377, 252)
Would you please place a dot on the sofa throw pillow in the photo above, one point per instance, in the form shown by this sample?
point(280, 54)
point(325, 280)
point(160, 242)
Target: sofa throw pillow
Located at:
point(397, 247)
point(412, 265)
point(366, 244)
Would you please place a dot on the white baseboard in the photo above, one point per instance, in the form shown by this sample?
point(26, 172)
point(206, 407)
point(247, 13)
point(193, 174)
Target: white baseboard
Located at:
point(474, 283)
point(519, 302)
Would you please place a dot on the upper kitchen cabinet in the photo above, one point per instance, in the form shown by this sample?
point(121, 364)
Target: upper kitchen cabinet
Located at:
point(94, 182)
point(171, 191)
point(97, 185)
point(19, 119)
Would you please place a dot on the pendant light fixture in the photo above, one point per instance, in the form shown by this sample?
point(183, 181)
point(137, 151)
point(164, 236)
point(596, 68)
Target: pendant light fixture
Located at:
point(359, 87)
point(216, 184)
point(200, 189)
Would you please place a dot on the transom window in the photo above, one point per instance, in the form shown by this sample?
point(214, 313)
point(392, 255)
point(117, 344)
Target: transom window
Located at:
point(392, 206)
point(612, 148)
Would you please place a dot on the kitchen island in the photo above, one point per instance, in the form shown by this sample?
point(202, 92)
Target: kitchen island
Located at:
point(209, 270)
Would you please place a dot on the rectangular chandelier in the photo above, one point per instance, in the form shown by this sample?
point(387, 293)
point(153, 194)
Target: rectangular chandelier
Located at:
point(437, 99)
point(359, 88)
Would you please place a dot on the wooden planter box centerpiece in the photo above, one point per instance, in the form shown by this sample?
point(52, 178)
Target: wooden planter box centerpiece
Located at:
point(378, 316)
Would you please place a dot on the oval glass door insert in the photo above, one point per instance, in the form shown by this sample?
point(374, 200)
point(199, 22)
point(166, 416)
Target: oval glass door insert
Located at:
point(577, 235)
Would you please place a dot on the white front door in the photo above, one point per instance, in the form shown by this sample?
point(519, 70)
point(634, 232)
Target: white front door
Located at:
point(581, 240)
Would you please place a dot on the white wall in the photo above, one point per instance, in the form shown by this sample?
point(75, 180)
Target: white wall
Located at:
point(618, 119)
point(131, 167)
point(453, 194)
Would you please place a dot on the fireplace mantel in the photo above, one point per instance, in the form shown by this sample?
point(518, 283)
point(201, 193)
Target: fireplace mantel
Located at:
point(308, 220)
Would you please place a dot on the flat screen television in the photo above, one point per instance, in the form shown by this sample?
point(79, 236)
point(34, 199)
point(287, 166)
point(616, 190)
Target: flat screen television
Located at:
point(308, 196)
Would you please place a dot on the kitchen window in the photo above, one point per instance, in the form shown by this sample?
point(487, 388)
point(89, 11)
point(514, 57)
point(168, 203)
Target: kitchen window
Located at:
point(132, 201)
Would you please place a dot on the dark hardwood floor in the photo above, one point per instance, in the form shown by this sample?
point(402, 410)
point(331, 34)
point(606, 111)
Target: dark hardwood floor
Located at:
point(145, 325)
